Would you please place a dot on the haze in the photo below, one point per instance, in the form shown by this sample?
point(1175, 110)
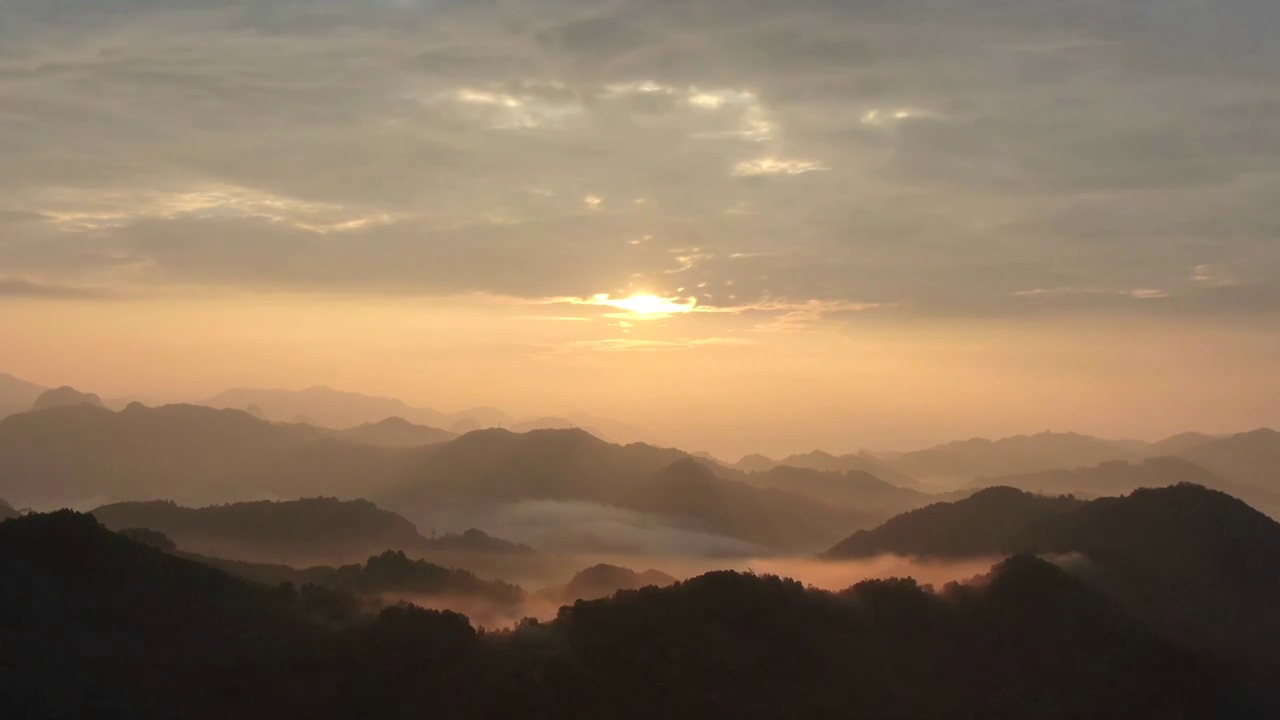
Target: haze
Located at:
point(741, 226)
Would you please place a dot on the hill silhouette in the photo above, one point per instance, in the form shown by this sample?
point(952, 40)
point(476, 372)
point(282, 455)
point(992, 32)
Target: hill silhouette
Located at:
point(83, 455)
point(1120, 477)
point(63, 397)
point(854, 490)
point(298, 530)
point(7, 511)
point(688, 489)
point(393, 432)
point(1199, 564)
point(601, 581)
point(99, 625)
point(338, 409)
point(984, 524)
point(968, 459)
point(17, 395)
point(491, 467)
point(1252, 458)
point(824, 461)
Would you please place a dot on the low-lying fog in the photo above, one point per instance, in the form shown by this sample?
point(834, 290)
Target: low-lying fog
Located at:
point(543, 601)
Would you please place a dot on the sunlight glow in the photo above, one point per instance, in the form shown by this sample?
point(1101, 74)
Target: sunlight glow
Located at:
point(647, 306)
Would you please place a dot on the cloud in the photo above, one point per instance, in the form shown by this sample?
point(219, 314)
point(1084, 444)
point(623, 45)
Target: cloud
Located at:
point(934, 157)
point(20, 288)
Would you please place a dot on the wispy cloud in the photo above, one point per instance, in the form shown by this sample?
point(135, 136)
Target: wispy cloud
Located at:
point(22, 288)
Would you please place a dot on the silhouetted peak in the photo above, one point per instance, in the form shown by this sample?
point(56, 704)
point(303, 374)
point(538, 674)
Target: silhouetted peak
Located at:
point(603, 580)
point(686, 468)
point(65, 396)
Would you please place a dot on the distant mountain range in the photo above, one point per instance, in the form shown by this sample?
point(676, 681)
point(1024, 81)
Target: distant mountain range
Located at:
point(331, 408)
point(1119, 477)
point(88, 456)
point(826, 462)
point(17, 395)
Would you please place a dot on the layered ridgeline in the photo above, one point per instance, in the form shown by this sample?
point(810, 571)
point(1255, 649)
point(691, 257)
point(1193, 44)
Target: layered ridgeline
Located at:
point(85, 456)
point(1119, 477)
point(307, 531)
point(1198, 564)
point(17, 395)
point(99, 625)
point(1250, 458)
point(602, 581)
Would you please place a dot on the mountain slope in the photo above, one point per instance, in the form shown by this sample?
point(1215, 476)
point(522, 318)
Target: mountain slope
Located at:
point(63, 397)
point(1252, 457)
point(85, 455)
point(854, 490)
point(1120, 477)
point(1200, 565)
point(17, 395)
point(601, 581)
point(968, 459)
point(984, 524)
point(687, 489)
point(393, 432)
point(98, 625)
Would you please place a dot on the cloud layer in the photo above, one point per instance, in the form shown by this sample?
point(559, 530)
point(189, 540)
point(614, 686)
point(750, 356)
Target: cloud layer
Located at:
point(929, 156)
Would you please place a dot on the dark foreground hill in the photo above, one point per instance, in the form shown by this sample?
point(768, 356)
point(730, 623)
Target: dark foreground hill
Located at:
point(97, 625)
point(1198, 564)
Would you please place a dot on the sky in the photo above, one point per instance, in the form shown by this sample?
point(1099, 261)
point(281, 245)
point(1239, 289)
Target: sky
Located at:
point(743, 225)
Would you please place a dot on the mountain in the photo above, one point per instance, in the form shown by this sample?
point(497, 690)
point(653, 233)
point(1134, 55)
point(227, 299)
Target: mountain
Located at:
point(489, 468)
point(84, 456)
point(63, 397)
point(7, 511)
point(1119, 477)
point(99, 625)
point(968, 459)
point(300, 531)
point(688, 490)
point(1177, 444)
point(1252, 458)
point(1029, 641)
point(854, 490)
point(393, 432)
point(984, 524)
point(601, 581)
point(824, 461)
point(17, 395)
point(1198, 564)
point(755, 463)
point(337, 409)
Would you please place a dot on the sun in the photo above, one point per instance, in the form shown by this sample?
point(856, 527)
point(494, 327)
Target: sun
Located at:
point(647, 305)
